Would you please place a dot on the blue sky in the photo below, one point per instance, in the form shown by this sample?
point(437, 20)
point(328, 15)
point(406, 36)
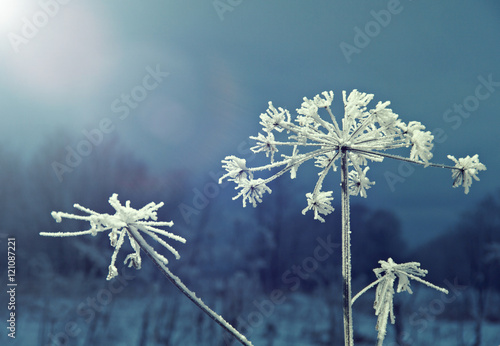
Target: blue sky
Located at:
point(64, 65)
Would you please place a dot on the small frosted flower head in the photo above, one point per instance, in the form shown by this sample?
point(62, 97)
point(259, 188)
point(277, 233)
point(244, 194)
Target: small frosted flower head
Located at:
point(308, 108)
point(421, 142)
point(126, 222)
point(355, 104)
point(466, 169)
point(327, 160)
point(320, 203)
point(265, 144)
point(359, 183)
point(273, 118)
point(326, 102)
point(236, 169)
point(252, 190)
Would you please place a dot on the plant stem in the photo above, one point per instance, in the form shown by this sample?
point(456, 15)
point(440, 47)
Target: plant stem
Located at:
point(150, 252)
point(366, 289)
point(346, 253)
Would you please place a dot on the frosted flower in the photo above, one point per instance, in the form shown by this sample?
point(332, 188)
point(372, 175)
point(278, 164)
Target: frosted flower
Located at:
point(252, 190)
point(363, 135)
point(421, 142)
point(466, 169)
point(320, 203)
point(236, 169)
point(359, 183)
point(126, 222)
point(272, 119)
point(265, 144)
point(323, 102)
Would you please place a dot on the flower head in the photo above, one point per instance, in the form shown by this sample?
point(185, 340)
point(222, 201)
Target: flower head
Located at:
point(126, 222)
point(466, 169)
point(362, 135)
point(359, 183)
point(320, 203)
point(252, 190)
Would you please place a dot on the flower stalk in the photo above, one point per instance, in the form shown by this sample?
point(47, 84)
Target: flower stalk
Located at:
point(363, 135)
point(134, 233)
point(346, 253)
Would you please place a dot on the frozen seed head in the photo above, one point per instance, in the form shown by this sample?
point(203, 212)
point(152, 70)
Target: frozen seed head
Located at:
point(466, 169)
point(363, 134)
point(125, 221)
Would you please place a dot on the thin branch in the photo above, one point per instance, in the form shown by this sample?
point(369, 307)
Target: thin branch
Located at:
point(188, 293)
point(366, 289)
point(401, 158)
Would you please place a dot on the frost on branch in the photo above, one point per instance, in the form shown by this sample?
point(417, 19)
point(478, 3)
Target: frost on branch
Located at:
point(363, 134)
point(466, 169)
point(125, 220)
point(387, 274)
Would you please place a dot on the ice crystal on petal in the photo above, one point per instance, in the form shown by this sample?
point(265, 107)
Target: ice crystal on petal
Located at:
point(466, 169)
point(125, 220)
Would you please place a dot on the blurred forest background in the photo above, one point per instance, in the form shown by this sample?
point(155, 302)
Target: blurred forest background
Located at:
point(175, 86)
point(234, 258)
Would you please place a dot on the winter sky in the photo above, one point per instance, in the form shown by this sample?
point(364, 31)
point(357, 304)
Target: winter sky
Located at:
point(182, 83)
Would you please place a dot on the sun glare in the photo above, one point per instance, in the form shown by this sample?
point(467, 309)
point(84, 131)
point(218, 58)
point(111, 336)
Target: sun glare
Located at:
point(11, 13)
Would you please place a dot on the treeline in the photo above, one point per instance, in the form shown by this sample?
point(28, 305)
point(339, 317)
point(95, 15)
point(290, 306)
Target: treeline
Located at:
point(273, 244)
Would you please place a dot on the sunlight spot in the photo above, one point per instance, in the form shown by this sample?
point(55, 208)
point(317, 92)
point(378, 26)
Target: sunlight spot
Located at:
point(68, 58)
point(11, 13)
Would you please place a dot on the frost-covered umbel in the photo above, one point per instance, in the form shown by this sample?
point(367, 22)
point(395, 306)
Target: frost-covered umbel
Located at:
point(125, 220)
point(363, 134)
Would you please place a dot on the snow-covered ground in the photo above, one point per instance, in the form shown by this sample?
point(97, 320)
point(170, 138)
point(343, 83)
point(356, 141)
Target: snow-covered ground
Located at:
point(130, 317)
